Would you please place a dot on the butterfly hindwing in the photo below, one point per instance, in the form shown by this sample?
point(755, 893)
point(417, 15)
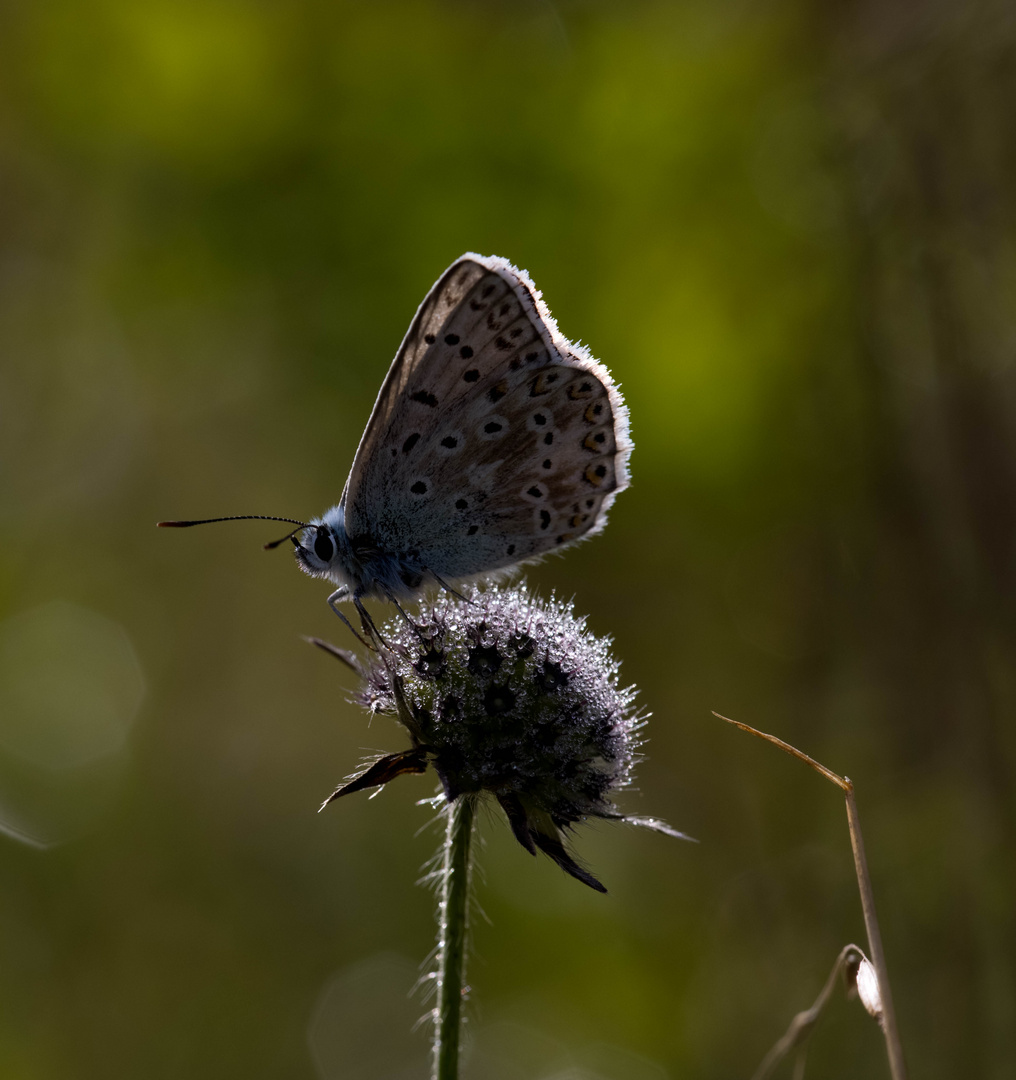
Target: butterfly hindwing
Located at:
point(493, 439)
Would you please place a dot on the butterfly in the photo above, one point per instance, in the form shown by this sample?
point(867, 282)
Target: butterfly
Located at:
point(493, 441)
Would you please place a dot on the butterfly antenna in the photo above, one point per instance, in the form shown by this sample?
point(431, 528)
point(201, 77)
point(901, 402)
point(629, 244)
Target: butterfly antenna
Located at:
point(282, 540)
point(241, 517)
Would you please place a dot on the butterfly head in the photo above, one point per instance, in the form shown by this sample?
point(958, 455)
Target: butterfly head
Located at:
point(322, 549)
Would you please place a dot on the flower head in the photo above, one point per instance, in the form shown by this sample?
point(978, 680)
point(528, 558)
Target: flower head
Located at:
point(505, 693)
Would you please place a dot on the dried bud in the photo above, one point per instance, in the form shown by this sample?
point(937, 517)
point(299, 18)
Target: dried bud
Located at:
point(508, 694)
point(867, 989)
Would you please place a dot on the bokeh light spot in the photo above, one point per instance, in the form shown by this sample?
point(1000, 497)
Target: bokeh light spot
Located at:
point(70, 685)
point(363, 1024)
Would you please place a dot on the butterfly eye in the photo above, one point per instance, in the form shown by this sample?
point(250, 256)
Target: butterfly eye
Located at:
point(324, 548)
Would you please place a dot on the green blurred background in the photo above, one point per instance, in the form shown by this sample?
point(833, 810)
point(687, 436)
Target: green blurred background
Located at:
point(787, 228)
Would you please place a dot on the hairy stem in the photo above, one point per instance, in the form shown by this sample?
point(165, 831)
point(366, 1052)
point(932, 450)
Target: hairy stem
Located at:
point(453, 921)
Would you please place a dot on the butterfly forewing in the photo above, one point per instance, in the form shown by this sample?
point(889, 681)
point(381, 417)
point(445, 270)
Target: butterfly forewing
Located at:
point(494, 439)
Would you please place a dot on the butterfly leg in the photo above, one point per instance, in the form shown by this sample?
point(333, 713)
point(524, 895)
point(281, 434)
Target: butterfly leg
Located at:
point(340, 594)
point(444, 585)
point(407, 618)
point(368, 625)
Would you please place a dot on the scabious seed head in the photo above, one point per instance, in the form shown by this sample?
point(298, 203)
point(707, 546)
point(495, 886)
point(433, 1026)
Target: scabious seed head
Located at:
point(505, 693)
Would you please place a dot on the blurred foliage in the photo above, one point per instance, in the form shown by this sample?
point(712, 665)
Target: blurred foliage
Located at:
point(788, 230)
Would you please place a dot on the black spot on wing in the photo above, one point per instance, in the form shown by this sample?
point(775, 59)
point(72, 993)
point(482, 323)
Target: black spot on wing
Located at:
point(582, 388)
point(596, 474)
point(544, 382)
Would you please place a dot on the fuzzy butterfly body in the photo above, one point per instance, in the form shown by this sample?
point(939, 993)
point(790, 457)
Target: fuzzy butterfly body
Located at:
point(493, 441)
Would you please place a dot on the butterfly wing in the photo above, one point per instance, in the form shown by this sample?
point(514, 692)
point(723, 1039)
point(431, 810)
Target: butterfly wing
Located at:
point(493, 439)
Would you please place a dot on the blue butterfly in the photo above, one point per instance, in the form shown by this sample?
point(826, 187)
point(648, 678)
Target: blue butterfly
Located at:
point(493, 441)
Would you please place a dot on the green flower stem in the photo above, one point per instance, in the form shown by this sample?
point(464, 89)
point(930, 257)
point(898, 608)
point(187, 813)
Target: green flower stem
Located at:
point(453, 916)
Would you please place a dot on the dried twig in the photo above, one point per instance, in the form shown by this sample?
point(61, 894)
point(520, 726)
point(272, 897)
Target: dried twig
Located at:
point(894, 1047)
point(804, 1022)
